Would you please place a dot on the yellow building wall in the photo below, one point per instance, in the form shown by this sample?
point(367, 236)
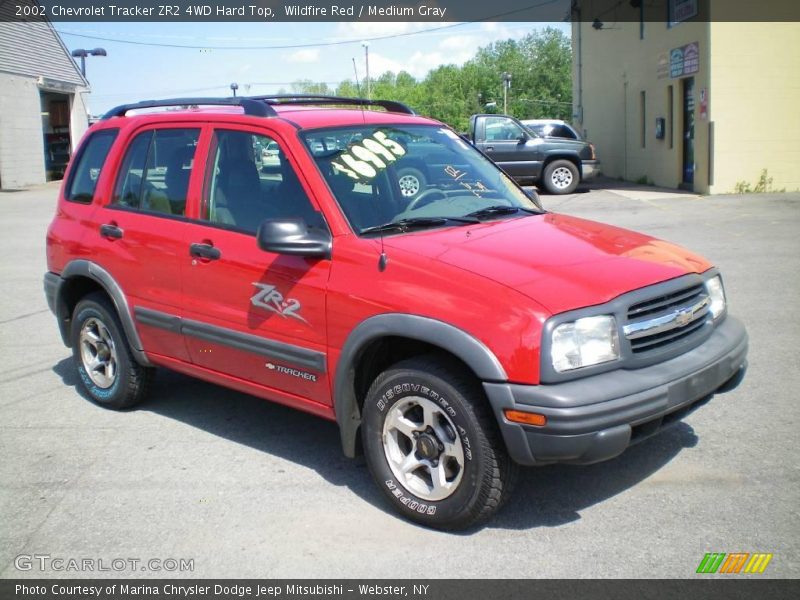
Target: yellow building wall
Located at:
point(755, 104)
point(616, 67)
point(749, 72)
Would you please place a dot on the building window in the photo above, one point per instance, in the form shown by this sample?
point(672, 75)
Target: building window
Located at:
point(670, 115)
point(643, 113)
point(680, 10)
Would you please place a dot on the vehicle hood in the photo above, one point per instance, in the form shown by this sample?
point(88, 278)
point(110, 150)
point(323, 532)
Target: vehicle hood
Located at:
point(560, 262)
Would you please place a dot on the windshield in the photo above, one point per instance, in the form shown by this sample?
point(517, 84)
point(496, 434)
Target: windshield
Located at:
point(422, 174)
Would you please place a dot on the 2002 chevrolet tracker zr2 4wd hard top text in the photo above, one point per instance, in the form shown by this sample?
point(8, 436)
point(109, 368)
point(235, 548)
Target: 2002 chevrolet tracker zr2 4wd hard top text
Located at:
point(266, 245)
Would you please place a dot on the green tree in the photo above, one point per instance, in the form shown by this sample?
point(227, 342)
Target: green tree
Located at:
point(540, 65)
point(306, 86)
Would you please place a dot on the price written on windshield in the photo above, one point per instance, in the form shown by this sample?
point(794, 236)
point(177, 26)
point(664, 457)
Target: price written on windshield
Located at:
point(369, 157)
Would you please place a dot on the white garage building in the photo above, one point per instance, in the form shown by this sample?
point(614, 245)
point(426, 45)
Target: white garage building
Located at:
point(42, 109)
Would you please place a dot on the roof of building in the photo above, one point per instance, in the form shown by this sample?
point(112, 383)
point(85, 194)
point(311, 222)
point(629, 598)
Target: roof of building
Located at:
point(35, 49)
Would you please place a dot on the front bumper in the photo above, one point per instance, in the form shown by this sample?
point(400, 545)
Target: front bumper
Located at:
point(598, 417)
point(589, 169)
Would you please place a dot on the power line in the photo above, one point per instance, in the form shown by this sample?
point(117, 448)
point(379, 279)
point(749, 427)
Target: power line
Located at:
point(214, 87)
point(312, 45)
point(99, 35)
point(275, 47)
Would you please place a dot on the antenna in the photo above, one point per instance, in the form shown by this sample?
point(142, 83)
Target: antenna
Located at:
point(383, 258)
point(358, 85)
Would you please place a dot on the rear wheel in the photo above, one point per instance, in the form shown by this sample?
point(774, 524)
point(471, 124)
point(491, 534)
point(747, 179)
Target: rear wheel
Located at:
point(105, 364)
point(432, 444)
point(561, 177)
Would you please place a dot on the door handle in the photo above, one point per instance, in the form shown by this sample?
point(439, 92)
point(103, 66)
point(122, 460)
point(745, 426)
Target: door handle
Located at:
point(489, 148)
point(206, 251)
point(110, 231)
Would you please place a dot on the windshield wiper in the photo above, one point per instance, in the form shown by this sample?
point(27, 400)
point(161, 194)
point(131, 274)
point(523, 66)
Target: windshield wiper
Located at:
point(491, 211)
point(404, 225)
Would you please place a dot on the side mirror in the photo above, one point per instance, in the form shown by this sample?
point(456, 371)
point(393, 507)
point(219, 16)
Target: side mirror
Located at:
point(292, 236)
point(524, 137)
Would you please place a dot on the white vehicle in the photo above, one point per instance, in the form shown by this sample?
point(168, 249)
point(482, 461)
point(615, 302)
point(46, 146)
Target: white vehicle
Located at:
point(269, 155)
point(552, 128)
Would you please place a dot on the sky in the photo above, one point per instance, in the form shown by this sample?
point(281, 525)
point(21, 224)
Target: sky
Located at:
point(138, 72)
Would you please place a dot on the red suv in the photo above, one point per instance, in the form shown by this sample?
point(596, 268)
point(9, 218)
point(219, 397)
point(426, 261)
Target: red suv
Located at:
point(265, 244)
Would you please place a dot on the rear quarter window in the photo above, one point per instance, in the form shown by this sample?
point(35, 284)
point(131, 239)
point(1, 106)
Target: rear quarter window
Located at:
point(89, 162)
point(563, 131)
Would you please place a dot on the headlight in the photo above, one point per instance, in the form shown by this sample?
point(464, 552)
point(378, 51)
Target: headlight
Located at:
point(585, 342)
point(716, 294)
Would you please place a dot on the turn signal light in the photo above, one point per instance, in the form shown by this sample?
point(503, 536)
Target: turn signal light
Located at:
point(526, 418)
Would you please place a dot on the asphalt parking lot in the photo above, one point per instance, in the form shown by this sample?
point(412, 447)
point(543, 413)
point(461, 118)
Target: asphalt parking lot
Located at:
point(247, 488)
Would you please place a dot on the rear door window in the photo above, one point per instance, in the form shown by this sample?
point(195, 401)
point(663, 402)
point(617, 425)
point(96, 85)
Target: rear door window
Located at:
point(91, 158)
point(155, 172)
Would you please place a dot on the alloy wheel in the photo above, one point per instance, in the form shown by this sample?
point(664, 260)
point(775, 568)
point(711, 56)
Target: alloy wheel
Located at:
point(423, 449)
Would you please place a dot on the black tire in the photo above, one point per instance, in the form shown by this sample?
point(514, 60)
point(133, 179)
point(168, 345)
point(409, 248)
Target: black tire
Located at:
point(412, 182)
point(561, 177)
point(487, 475)
point(97, 333)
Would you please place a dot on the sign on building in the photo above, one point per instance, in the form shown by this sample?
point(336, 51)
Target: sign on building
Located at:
point(662, 65)
point(684, 60)
point(681, 10)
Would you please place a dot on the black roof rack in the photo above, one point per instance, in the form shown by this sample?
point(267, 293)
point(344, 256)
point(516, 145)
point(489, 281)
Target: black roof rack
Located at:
point(314, 99)
point(251, 106)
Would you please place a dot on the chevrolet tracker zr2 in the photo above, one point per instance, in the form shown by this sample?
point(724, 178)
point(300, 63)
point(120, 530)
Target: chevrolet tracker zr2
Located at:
point(266, 244)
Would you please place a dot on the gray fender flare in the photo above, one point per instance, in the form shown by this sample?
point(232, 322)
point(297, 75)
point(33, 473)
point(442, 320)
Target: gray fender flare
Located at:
point(85, 268)
point(471, 351)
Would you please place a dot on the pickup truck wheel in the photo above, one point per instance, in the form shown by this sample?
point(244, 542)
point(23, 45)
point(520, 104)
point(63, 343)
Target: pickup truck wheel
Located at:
point(561, 177)
point(411, 182)
point(432, 445)
point(106, 367)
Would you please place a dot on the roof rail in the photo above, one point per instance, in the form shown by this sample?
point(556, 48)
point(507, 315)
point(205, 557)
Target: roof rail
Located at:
point(315, 99)
point(251, 106)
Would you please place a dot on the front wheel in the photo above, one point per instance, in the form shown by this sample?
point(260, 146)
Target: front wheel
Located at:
point(432, 444)
point(561, 177)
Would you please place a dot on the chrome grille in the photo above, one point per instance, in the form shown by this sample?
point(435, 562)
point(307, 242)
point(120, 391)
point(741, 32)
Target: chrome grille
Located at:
point(667, 319)
point(665, 302)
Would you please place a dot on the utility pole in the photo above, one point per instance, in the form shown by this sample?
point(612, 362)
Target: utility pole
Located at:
point(506, 86)
point(366, 60)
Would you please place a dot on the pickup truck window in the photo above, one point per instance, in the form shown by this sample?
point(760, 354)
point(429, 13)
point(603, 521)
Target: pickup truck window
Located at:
point(503, 129)
point(369, 169)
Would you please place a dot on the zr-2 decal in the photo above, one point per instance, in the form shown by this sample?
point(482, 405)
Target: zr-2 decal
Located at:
point(269, 298)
